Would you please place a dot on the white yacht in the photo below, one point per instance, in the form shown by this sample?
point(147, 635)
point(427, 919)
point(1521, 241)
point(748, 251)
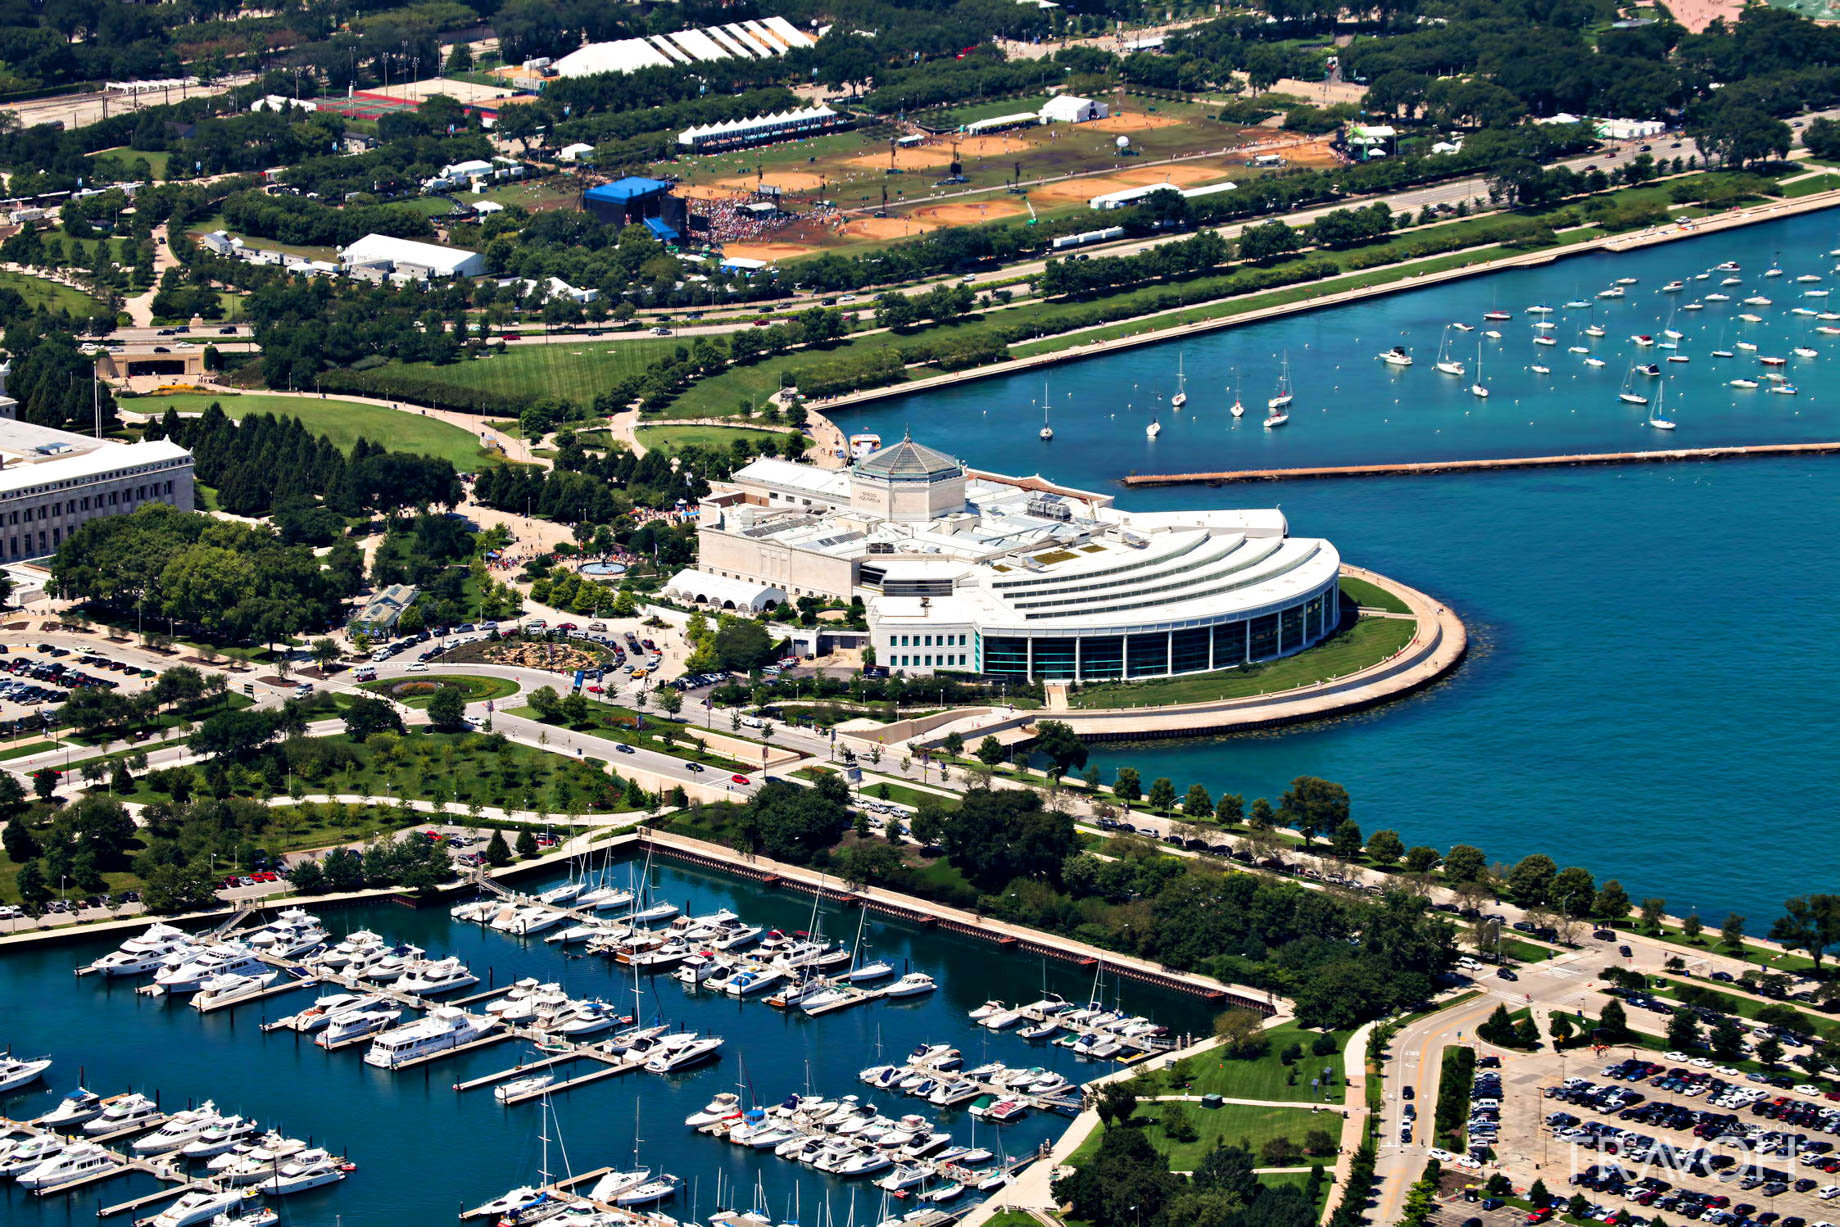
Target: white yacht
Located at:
point(587, 1018)
point(125, 1113)
point(661, 1189)
point(186, 974)
point(221, 990)
point(439, 976)
point(73, 1163)
point(200, 1206)
point(180, 1130)
point(722, 1107)
point(74, 1109)
point(316, 1016)
point(683, 1056)
point(352, 1024)
point(445, 1027)
point(913, 984)
point(605, 898)
point(224, 1134)
point(142, 954)
point(31, 1152)
point(15, 1073)
point(307, 1170)
point(518, 1088)
point(615, 1183)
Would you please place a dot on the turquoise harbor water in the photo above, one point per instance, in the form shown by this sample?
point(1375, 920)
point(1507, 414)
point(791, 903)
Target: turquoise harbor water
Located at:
point(423, 1151)
point(1649, 690)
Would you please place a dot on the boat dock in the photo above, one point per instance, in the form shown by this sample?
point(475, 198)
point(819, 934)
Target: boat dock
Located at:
point(124, 1164)
point(1431, 467)
point(565, 1189)
point(857, 996)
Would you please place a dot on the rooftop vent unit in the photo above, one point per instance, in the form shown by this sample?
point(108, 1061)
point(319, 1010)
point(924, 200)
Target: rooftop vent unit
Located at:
point(1050, 507)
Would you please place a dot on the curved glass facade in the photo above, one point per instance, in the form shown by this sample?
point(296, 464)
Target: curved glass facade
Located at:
point(1167, 651)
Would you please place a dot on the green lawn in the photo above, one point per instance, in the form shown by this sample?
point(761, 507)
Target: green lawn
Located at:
point(1744, 1007)
point(901, 794)
point(1265, 1077)
point(30, 747)
point(575, 368)
point(676, 438)
point(462, 767)
point(1372, 596)
point(342, 421)
point(617, 723)
point(172, 718)
point(417, 689)
point(1763, 957)
point(1232, 1125)
point(38, 292)
point(1367, 643)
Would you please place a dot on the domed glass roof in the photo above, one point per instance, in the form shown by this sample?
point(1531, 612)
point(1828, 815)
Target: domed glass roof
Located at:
point(908, 459)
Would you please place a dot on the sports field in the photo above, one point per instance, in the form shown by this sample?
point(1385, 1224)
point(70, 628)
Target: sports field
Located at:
point(880, 192)
point(342, 421)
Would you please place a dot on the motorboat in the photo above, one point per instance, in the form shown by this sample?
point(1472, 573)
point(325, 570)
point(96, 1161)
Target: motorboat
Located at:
point(722, 1107)
point(1716, 296)
point(74, 1109)
point(358, 948)
point(180, 1130)
point(71, 1164)
point(16, 1073)
point(222, 1135)
point(247, 1163)
point(903, 1177)
point(564, 895)
point(948, 1191)
point(185, 973)
point(443, 1029)
point(261, 1216)
point(31, 1152)
point(316, 1016)
point(913, 984)
point(825, 997)
point(393, 964)
point(684, 1056)
point(310, 1169)
point(1039, 1031)
point(867, 972)
point(1397, 356)
point(198, 1206)
point(475, 910)
point(356, 1023)
point(585, 931)
point(522, 1087)
point(753, 982)
point(513, 1204)
point(651, 915)
point(613, 1184)
point(142, 954)
point(633, 1037)
point(588, 1018)
point(863, 1163)
point(1743, 383)
point(439, 976)
point(222, 990)
point(128, 1112)
point(1001, 1021)
point(1803, 351)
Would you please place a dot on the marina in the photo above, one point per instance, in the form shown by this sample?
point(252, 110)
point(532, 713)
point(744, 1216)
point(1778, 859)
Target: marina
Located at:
point(445, 1102)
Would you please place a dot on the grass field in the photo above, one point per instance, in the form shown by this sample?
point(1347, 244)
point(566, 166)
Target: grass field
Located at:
point(50, 295)
point(1232, 1124)
point(477, 688)
point(343, 421)
point(676, 438)
point(1368, 642)
point(1372, 596)
point(901, 794)
point(576, 369)
point(1265, 1077)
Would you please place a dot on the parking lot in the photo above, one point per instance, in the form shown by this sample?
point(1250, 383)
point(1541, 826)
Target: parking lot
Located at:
point(35, 681)
point(1641, 1134)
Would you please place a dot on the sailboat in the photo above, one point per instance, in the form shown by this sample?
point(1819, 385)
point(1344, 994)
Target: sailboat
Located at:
point(1047, 431)
point(1278, 407)
point(1238, 410)
point(1154, 429)
point(1538, 367)
point(1181, 396)
point(1479, 389)
point(1655, 417)
point(1445, 362)
point(1629, 395)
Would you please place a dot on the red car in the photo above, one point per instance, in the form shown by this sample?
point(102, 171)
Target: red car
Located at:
point(740, 779)
point(1541, 1215)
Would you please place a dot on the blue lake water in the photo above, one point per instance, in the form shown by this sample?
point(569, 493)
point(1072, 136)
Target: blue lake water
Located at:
point(423, 1151)
point(1648, 692)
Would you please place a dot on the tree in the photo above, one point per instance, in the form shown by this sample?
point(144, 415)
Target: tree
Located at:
point(990, 751)
point(1117, 1103)
point(45, 782)
point(670, 700)
point(1613, 1022)
point(1162, 797)
point(526, 844)
point(498, 852)
point(1197, 804)
point(1241, 1033)
point(1385, 848)
point(18, 841)
point(1691, 926)
point(545, 702)
point(365, 716)
point(1127, 786)
point(307, 877)
point(1810, 923)
point(1613, 902)
point(1497, 1028)
point(1653, 909)
point(447, 709)
point(1531, 879)
point(1683, 1030)
point(1261, 817)
point(1770, 1051)
point(1314, 806)
point(324, 651)
point(1731, 932)
point(31, 885)
point(1465, 863)
point(1345, 842)
point(1064, 750)
point(1560, 1028)
point(1319, 1142)
point(1420, 859)
point(1727, 1039)
point(1574, 892)
point(1230, 811)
